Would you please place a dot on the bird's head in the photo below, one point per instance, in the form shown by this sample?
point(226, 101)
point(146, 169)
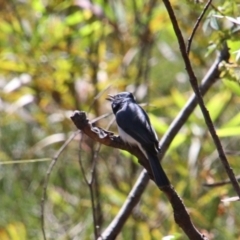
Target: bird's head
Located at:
point(121, 97)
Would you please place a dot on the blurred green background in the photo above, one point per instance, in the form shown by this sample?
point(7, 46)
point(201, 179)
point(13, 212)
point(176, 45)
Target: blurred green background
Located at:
point(59, 56)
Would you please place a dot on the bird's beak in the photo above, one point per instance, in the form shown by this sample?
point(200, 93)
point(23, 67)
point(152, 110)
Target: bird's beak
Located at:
point(110, 98)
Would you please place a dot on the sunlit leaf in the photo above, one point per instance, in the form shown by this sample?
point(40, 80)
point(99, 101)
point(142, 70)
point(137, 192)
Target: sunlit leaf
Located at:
point(217, 103)
point(178, 98)
point(90, 28)
point(114, 195)
point(75, 18)
point(228, 132)
point(38, 6)
point(6, 27)
point(55, 196)
point(13, 66)
point(233, 122)
point(144, 231)
point(25, 161)
point(232, 85)
point(158, 124)
point(16, 231)
point(177, 141)
point(129, 155)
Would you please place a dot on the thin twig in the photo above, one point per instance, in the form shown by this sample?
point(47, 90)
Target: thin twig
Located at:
point(101, 117)
point(90, 182)
point(96, 98)
point(45, 185)
point(196, 25)
point(232, 153)
point(81, 165)
point(194, 84)
point(145, 44)
point(90, 185)
point(219, 184)
point(217, 10)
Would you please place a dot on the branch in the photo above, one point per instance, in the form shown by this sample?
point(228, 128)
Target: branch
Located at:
point(210, 78)
point(219, 184)
point(115, 227)
point(197, 24)
point(102, 136)
point(107, 138)
point(194, 84)
point(45, 185)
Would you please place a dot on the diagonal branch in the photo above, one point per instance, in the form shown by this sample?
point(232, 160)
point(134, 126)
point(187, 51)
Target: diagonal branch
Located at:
point(181, 215)
point(209, 79)
point(107, 138)
point(194, 84)
point(196, 25)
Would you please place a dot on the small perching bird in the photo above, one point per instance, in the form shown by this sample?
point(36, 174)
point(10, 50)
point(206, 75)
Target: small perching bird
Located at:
point(134, 128)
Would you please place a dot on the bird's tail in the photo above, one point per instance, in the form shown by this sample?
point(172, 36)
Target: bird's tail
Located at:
point(159, 175)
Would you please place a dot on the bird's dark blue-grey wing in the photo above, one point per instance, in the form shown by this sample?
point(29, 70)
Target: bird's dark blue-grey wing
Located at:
point(134, 121)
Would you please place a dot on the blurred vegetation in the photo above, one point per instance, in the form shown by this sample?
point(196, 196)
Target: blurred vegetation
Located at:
point(59, 56)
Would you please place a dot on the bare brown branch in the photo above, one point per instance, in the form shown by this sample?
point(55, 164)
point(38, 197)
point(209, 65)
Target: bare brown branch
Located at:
point(195, 87)
point(107, 138)
point(102, 136)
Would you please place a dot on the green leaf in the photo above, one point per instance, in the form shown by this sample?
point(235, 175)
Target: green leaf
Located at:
point(217, 104)
point(228, 132)
point(178, 97)
point(16, 231)
point(74, 18)
point(129, 155)
point(90, 28)
point(232, 85)
point(158, 124)
point(233, 122)
point(38, 6)
point(177, 141)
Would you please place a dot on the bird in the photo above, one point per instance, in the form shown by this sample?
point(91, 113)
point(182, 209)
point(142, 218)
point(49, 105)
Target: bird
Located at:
point(135, 129)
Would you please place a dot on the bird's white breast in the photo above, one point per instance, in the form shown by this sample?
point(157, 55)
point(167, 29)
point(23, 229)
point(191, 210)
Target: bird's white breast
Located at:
point(127, 138)
point(130, 140)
